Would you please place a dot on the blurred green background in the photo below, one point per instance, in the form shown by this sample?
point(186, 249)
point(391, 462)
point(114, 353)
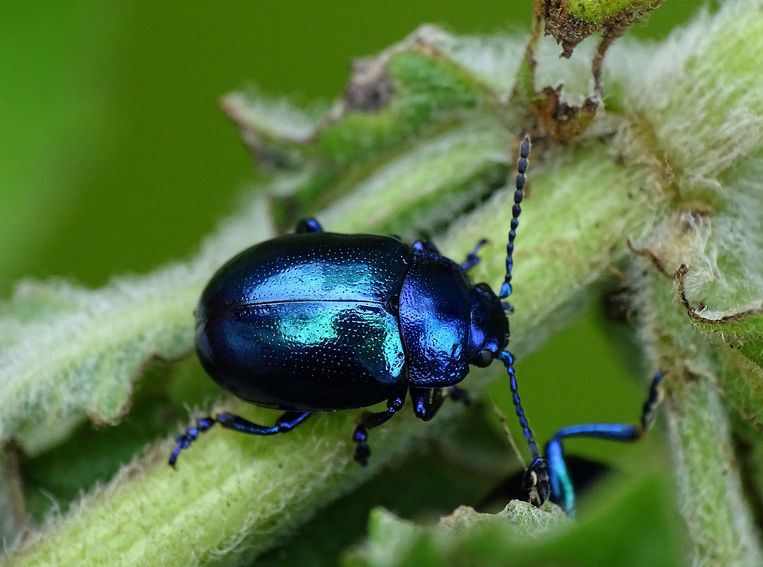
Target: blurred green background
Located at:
point(114, 156)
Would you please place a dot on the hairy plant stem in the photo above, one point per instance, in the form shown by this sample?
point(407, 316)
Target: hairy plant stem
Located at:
point(712, 504)
point(718, 524)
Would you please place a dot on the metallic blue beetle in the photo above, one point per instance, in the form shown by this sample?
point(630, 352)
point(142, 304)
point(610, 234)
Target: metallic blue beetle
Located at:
point(317, 321)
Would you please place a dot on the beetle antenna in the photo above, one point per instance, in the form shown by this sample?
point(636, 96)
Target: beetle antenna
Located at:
point(508, 360)
point(516, 210)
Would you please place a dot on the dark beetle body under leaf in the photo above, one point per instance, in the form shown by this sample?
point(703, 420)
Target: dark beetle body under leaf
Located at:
point(322, 321)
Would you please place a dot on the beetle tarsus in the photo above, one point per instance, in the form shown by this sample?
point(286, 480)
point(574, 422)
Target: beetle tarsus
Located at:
point(184, 441)
point(370, 420)
point(362, 450)
point(287, 422)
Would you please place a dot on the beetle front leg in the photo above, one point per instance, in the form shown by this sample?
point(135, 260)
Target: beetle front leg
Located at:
point(308, 225)
point(284, 424)
point(370, 420)
point(426, 402)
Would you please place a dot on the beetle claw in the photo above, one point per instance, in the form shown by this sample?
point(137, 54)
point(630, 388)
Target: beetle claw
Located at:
point(362, 452)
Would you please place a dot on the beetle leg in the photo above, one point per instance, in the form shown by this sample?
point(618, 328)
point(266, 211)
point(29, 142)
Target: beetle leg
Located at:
point(426, 402)
point(472, 259)
point(288, 421)
point(308, 225)
point(284, 424)
point(561, 486)
point(458, 395)
point(369, 420)
point(425, 246)
point(190, 435)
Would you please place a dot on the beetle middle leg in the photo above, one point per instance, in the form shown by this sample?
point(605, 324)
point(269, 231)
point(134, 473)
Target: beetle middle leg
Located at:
point(370, 420)
point(308, 225)
point(284, 424)
point(426, 402)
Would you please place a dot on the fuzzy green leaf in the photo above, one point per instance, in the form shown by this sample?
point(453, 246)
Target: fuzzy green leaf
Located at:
point(521, 535)
point(428, 88)
point(275, 131)
point(710, 494)
point(709, 153)
point(72, 352)
point(390, 98)
point(597, 11)
point(571, 21)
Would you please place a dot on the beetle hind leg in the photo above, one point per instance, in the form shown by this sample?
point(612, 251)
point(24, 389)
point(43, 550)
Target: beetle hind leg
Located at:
point(284, 424)
point(370, 420)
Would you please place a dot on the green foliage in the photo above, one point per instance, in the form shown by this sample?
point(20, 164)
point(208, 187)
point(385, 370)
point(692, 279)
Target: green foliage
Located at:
point(522, 535)
point(597, 11)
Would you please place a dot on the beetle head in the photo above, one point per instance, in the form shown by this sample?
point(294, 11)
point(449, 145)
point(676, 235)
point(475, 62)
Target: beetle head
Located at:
point(489, 326)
